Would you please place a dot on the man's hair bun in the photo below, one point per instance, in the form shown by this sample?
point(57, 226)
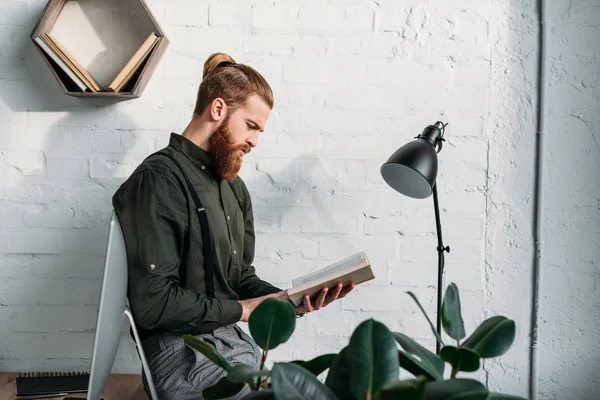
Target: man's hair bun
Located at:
point(215, 61)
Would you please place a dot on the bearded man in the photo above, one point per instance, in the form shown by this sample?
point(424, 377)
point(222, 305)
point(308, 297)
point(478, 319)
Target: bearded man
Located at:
point(188, 227)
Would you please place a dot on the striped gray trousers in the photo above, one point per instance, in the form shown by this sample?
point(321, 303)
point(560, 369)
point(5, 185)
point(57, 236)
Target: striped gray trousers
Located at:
point(180, 372)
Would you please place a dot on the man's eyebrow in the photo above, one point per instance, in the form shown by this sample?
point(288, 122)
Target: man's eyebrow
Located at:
point(255, 124)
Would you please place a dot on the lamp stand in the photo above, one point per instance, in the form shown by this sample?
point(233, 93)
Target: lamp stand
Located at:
point(440, 249)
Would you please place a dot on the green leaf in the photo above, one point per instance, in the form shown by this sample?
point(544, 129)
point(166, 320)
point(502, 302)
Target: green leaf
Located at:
point(413, 365)
point(264, 394)
point(272, 323)
point(241, 373)
point(483, 395)
point(435, 333)
point(500, 396)
point(222, 389)
point(452, 320)
point(461, 358)
point(372, 359)
point(442, 390)
point(474, 395)
point(338, 378)
point(493, 337)
point(411, 389)
point(425, 362)
point(208, 350)
point(291, 381)
point(317, 365)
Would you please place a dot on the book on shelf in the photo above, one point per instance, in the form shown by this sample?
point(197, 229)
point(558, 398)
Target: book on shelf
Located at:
point(71, 62)
point(81, 77)
point(354, 269)
point(134, 63)
point(61, 64)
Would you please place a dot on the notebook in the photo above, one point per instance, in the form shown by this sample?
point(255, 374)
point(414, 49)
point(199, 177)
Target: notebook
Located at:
point(28, 384)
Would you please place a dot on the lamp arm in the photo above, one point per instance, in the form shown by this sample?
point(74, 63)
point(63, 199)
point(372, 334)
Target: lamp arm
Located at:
point(440, 249)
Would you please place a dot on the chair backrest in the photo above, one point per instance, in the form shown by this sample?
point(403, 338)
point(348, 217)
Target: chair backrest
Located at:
point(113, 300)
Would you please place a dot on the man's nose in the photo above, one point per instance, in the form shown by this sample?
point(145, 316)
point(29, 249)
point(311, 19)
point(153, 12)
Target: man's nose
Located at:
point(252, 140)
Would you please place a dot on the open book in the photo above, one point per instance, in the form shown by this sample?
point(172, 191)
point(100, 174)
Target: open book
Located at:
point(354, 269)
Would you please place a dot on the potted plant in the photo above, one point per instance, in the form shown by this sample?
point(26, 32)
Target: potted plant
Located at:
point(369, 367)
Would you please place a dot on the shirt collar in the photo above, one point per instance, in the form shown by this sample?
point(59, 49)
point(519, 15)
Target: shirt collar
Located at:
point(203, 159)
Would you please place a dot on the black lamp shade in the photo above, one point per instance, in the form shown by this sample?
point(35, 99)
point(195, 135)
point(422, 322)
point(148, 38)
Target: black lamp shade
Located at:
point(412, 169)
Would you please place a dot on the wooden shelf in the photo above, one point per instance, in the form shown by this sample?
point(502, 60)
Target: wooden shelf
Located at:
point(102, 36)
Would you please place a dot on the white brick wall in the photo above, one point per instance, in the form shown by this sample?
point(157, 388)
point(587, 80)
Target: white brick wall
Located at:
point(353, 80)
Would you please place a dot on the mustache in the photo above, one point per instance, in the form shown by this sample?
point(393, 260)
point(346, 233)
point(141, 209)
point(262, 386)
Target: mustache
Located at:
point(246, 147)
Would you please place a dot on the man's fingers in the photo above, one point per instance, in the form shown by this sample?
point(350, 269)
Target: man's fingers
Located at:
point(346, 290)
point(335, 293)
point(324, 298)
point(321, 299)
point(307, 305)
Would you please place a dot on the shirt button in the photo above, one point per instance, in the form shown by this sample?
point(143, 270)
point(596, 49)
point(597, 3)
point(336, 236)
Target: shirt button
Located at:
point(228, 219)
point(203, 167)
point(235, 252)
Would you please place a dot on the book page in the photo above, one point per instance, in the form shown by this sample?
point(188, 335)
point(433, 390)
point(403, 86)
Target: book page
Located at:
point(102, 35)
point(349, 262)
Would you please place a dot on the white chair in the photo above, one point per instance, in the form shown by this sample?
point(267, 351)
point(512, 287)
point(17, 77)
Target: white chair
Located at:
point(109, 326)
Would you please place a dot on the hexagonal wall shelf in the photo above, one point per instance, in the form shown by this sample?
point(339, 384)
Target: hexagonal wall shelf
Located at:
point(100, 48)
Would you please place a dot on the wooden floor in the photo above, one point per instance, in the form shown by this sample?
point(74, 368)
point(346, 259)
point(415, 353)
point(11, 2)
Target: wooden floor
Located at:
point(118, 387)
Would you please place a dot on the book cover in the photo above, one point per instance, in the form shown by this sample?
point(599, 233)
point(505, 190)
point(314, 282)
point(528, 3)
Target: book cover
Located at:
point(48, 50)
point(134, 62)
point(71, 62)
point(354, 269)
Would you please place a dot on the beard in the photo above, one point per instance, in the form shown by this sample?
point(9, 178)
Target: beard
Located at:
point(226, 153)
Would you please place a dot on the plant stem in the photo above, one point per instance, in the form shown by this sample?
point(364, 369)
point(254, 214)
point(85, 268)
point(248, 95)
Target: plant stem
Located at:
point(264, 358)
point(456, 368)
point(262, 365)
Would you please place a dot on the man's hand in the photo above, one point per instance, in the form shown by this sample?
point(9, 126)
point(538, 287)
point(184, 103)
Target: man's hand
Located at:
point(324, 298)
point(249, 305)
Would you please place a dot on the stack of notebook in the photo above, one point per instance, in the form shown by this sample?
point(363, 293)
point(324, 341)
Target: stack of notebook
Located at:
point(41, 384)
point(77, 73)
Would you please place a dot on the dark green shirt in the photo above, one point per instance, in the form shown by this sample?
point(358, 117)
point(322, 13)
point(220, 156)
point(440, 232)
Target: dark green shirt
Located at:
point(166, 286)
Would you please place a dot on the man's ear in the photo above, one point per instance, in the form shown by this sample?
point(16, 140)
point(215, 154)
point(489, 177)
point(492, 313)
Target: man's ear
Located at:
point(218, 109)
